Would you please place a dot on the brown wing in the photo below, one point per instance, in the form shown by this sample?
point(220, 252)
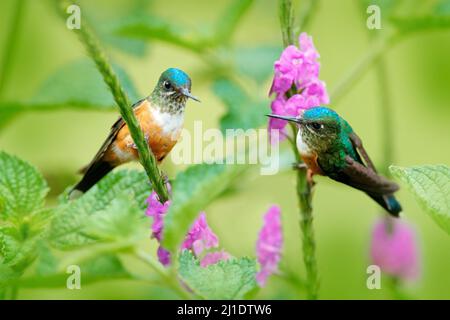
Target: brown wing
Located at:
point(115, 128)
point(357, 144)
point(363, 178)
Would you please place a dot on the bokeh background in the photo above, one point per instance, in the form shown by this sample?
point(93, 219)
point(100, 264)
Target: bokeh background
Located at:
point(58, 142)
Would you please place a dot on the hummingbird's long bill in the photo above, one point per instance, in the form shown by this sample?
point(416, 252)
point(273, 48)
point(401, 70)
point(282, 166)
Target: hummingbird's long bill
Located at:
point(291, 119)
point(186, 93)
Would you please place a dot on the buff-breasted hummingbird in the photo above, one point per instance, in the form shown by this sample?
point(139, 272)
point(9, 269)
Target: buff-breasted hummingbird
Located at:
point(161, 117)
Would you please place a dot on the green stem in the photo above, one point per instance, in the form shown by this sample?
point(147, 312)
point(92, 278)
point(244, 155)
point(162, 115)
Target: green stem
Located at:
point(304, 188)
point(386, 116)
point(286, 15)
point(372, 55)
point(97, 54)
point(11, 41)
point(169, 278)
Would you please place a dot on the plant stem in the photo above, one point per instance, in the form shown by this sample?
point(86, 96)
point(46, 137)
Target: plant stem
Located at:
point(286, 15)
point(387, 121)
point(11, 40)
point(97, 54)
point(304, 191)
point(379, 46)
point(168, 278)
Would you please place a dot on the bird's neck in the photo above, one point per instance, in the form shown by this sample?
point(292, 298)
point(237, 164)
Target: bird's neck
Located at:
point(172, 104)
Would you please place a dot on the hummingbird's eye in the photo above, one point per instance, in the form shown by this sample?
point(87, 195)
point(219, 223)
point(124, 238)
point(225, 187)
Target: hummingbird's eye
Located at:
point(167, 85)
point(316, 126)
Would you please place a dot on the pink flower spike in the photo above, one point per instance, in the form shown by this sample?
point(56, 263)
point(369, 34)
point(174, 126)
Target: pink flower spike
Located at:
point(394, 249)
point(200, 237)
point(214, 257)
point(163, 256)
point(269, 245)
point(156, 210)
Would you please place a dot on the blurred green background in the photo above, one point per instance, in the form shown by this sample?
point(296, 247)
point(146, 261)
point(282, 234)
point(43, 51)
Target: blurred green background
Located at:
point(59, 142)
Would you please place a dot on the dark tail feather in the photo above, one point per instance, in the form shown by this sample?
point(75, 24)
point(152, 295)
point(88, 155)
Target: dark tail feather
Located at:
point(388, 202)
point(93, 174)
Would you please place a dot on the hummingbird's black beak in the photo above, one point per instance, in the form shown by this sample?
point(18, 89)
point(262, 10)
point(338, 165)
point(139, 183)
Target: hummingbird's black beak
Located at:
point(186, 93)
point(290, 119)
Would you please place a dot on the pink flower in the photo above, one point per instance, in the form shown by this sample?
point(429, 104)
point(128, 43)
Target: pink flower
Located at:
point(394, 249)
point(200, 237)
point(156, 210)
point(297, 69)
point(269, 245)
point(214, 257)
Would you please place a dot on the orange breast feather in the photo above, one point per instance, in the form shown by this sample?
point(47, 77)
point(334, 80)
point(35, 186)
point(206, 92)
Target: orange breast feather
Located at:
point(123, 149)
point(311, 163)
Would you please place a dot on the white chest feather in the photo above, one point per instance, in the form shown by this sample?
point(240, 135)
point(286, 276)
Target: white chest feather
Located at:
point(171, 124)
point(302, 146)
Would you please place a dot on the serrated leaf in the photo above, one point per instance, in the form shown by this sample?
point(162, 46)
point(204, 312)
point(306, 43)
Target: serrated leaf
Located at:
point(257, 62)
point(67, 227)
point(230, 279)
point(407, 25)
point(193, 190)
point(431, 186)
point(79, 84)
point(22, 187)
point(243, 112)
point(107, 267)
point(122, 220)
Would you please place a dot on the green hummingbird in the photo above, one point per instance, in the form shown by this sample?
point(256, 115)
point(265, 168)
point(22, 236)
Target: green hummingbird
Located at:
point(328, 146)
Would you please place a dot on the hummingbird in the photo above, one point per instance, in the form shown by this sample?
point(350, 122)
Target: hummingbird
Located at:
point(328, 146)
point(161, 117)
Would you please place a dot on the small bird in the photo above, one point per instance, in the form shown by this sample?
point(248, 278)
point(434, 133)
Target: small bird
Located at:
point(161, 117)
point(328, 146)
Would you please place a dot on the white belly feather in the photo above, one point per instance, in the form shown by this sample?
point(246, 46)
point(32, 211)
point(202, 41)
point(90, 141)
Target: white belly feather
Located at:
point(171, 124)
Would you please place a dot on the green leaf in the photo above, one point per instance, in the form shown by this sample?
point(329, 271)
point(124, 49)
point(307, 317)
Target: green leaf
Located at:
point(431, 186)
point(257, 62)
point(122, 220)
point(18, 241)
point(155, 28)
point(228, 22)
point(107, 267)
point(80, 85)
point(230, 279)
point(408, 25)
point(243, 112)
point(193, 190)
point(22, 187)
point(71, 218)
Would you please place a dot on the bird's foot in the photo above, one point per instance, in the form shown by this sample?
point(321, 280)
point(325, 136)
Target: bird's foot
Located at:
point(134, 146)
point(299, 166)
point(309, 178)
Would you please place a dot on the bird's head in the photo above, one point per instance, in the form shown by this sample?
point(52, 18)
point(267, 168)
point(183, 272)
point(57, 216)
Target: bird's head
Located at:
point(319, 126)
point(173, 88)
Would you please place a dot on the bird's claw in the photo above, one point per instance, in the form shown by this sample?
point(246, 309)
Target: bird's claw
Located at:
point(299, 166)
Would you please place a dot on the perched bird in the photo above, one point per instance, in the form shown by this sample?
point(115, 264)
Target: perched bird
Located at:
point(329, 147)
point(161, 117)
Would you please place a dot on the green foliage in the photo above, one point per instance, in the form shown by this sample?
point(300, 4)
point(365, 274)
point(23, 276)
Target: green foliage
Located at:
point(22, 187)
point(430, 184)
point(230, 279)
point(155, 28)
point(228, 22)
point(257, 62)
point(68, 227)
point(87, 89)
point(409, 25)
point(193, 190)
point(243, 111)
point(105, 267)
